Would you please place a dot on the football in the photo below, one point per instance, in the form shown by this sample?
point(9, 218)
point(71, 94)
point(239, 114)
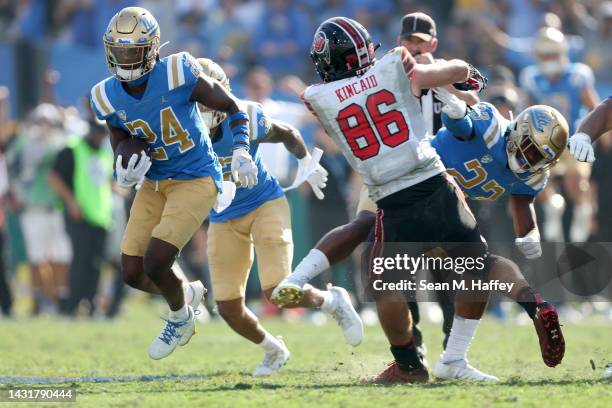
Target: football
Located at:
point(131, 146)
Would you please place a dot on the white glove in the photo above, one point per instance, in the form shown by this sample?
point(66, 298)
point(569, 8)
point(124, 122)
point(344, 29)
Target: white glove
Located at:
point(581, 148)
point(133, 173)
point(529, 245)
point(454, 107)
point(244, 169)
point(317, 179)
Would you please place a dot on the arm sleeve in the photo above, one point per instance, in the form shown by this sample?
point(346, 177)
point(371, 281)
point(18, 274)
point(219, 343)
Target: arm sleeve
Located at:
point(461, 128)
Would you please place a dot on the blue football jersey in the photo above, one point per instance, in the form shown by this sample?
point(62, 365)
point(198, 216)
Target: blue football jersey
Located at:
point(563, 94)
point(480, 164)
point(165, 117)
point(267, 188)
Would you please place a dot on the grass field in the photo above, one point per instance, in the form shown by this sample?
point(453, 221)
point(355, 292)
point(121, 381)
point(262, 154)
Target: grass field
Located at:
point(214, 367)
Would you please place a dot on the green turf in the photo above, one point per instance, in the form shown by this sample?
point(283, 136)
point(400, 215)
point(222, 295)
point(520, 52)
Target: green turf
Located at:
point(323, 371)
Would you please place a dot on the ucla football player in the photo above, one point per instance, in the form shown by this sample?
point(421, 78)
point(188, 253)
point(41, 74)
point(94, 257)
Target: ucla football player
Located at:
point(259, 219)
point(155, 99)
point(555, 81)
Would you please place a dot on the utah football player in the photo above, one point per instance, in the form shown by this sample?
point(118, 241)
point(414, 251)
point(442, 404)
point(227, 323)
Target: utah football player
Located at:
point(155, 99)
point(259, 219)
point(371, 110)
point(488, 156)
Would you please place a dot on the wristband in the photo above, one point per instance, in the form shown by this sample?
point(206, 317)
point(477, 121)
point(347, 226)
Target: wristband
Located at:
point(240, 115)
point(240, 135)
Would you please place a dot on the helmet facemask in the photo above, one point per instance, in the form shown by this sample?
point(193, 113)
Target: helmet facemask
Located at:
point(128, 62)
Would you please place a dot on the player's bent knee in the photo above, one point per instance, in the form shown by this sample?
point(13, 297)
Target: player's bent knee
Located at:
point(231, 309)
point(132, 270)
point(365, 221)
point(159, 257)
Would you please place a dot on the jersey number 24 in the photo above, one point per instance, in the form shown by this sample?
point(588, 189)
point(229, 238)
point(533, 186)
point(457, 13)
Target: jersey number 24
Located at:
point(172, 132)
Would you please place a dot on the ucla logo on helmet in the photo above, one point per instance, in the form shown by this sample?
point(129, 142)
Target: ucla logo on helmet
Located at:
point(540, 118)
point(149, 24)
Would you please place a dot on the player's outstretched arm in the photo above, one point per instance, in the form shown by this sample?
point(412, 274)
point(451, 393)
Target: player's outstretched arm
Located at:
point(595, 124)
point(281, 132)
point(599, 121)
point(525, 226)
point(426, 76)
point(454, 115)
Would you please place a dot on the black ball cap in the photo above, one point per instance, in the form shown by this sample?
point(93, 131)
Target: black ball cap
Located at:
point(419, 25)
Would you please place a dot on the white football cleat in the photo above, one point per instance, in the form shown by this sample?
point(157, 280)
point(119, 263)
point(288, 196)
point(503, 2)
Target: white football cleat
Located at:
point(460, 370)
point(174, 333)
point(287, 292)
point(344, 313)
point(273, 360)
point(194, 293)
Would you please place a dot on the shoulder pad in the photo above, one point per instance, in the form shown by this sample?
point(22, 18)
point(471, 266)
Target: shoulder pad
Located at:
point(100, 101)
point(487, 123)
point(176, 71)
point(255, 112)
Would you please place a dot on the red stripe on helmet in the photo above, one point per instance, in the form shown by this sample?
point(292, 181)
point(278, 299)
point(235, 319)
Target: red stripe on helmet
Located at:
point(360, 42)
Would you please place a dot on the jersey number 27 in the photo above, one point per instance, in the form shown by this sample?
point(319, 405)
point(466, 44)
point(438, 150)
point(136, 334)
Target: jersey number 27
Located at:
point(356, 126)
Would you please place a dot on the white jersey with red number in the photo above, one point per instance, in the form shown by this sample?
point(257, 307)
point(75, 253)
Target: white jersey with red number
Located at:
point(378, 124)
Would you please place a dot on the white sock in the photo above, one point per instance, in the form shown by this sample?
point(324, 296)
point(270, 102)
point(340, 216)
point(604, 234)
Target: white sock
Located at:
point(460, 338)
point(312, 265)
point(327, 304)
point(181, 314)
point(188, 292)
point(270, 343)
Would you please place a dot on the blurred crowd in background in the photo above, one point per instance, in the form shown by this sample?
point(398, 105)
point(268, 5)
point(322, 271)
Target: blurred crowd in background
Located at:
point(55, 252)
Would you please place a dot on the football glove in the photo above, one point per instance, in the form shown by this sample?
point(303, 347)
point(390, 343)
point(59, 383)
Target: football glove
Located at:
point(134, 172)
point(529, 245)
point(475, 82)
point(453, 107)
point(244, 169)
point(317, 179)
point(581, 148)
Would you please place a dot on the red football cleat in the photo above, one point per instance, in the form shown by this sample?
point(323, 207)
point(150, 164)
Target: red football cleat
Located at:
point(547, 326)
point(393, 374)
